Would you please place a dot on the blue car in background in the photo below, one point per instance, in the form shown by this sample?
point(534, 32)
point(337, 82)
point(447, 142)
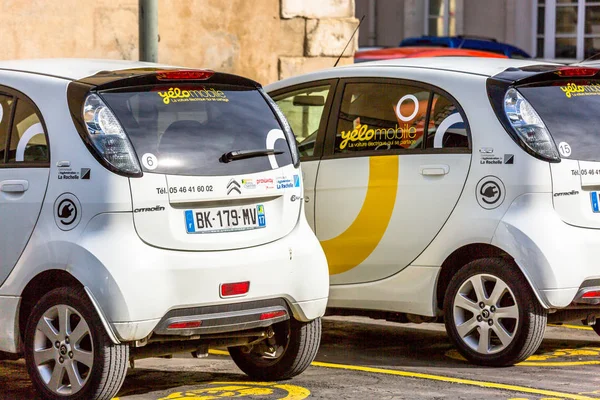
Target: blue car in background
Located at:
point(467, 42)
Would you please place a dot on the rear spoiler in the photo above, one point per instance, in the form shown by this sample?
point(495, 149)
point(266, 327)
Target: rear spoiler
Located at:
point(541, 73)
point(104, 80)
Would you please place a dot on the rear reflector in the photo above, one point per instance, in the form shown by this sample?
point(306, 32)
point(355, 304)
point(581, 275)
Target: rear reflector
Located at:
point(181, 75)
point(234, 289)
point(271, 315)
point(185, 325)
point(574, 71)
point(595, 294)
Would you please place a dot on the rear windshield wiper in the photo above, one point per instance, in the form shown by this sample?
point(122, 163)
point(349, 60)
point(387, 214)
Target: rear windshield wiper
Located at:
point(242, 154)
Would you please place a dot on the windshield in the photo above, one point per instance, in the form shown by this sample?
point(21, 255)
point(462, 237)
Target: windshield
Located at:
point(570, 111)
point(185, 129)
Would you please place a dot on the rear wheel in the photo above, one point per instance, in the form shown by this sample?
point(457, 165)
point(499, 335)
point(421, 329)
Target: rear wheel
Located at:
point(69, 355)
point(492, 315)
point(290, 350)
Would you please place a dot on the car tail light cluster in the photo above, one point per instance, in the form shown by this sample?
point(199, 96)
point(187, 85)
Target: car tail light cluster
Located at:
point(108, 136)
point(528, 125)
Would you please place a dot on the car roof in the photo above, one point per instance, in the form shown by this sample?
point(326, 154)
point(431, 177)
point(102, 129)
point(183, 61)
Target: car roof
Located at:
point(416, 51)
point(469, 66)
point(72, 68)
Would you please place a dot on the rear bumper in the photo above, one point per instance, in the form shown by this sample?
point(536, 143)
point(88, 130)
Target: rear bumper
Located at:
point(555, 257)
point(138, 287)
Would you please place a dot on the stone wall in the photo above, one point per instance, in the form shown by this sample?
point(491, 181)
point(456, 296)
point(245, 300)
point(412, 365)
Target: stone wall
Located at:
point(263, 39)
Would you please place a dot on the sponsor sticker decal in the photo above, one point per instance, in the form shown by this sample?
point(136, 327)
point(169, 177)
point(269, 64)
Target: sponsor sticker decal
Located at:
point(573, 90)
point(284, 183)
point(296, 180)
point(248, 184)
point(178, 95)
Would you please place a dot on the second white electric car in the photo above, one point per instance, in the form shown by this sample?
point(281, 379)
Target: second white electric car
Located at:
point(455, 187)
point(149, 210)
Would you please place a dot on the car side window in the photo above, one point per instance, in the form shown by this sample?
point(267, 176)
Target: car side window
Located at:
point(447, 128)
point(28, 140)
point(381, 117)
point(304, 110)
point(5, 107)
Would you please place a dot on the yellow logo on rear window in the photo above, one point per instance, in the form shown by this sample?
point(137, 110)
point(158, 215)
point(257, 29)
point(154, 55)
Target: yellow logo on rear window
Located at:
point(177, 95)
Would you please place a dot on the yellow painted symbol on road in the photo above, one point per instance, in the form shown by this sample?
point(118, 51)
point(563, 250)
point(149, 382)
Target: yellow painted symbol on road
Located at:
point(356, 243)
point(242, 390)
point(553, 358)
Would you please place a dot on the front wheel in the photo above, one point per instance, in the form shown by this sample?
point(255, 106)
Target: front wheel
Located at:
point(492, 315)
point(287, 353)
point(69, 355)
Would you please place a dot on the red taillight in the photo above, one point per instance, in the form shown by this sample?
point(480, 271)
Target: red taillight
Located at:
point(594, 294)
point(271, 315)
point(185, 325)
point(574, 71)
point(234, 289)
point(181, 75)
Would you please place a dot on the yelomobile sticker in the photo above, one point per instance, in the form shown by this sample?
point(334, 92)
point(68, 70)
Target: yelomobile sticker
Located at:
point(573, 90)
point(177, 95)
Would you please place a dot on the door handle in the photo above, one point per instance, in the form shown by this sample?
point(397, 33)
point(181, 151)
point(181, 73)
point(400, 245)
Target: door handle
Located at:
point(434, 170)
point(14, 186)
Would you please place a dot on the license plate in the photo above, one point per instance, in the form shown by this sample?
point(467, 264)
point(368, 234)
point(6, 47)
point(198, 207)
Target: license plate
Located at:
point(225, 219)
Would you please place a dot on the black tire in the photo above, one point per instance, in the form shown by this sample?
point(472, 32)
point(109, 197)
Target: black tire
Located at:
point(108, 363)
point(299, 342)
point(525, 331)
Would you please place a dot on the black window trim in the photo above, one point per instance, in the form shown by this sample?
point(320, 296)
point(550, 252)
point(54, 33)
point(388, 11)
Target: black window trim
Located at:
point(325, 117)
point(329, 144)
point(20, 96)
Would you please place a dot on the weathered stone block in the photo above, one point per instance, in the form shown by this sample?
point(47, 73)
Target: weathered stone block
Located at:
point(291, 66)
point(291, 38)
point(317, 8)
point(327, 37)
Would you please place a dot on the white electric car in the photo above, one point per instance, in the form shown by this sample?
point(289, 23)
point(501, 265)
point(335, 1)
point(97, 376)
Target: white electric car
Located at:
point(455, 187)
point(149, 210)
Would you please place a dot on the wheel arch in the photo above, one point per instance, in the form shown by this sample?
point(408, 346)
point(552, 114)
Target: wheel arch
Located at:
point(45, 282)
point(461, 257)
point(37, 287)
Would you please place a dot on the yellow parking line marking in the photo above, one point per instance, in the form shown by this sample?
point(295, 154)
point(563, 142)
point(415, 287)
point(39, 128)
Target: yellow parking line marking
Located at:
point(582, 328)
point(557, 363)
point(442, 378)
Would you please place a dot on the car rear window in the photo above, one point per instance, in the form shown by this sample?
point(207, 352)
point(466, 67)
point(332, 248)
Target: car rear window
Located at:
point(571, 113)
point(185, 129)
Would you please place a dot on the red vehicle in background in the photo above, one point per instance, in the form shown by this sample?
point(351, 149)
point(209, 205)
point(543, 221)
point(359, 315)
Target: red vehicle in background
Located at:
point(413, 52)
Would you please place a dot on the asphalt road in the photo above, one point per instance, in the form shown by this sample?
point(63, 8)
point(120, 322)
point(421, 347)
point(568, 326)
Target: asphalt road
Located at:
point(365, 359)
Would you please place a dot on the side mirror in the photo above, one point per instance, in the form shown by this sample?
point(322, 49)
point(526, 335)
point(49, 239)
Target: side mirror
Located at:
point(310, 101)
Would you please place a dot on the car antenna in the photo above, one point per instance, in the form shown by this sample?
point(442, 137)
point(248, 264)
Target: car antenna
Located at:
point(590, 58)
point(354, 33)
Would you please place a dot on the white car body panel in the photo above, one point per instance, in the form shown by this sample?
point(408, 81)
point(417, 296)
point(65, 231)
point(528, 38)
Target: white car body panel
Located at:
point(131, 283)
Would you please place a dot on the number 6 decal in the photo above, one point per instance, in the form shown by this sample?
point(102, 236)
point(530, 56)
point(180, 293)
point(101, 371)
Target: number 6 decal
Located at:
point(149, 161)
